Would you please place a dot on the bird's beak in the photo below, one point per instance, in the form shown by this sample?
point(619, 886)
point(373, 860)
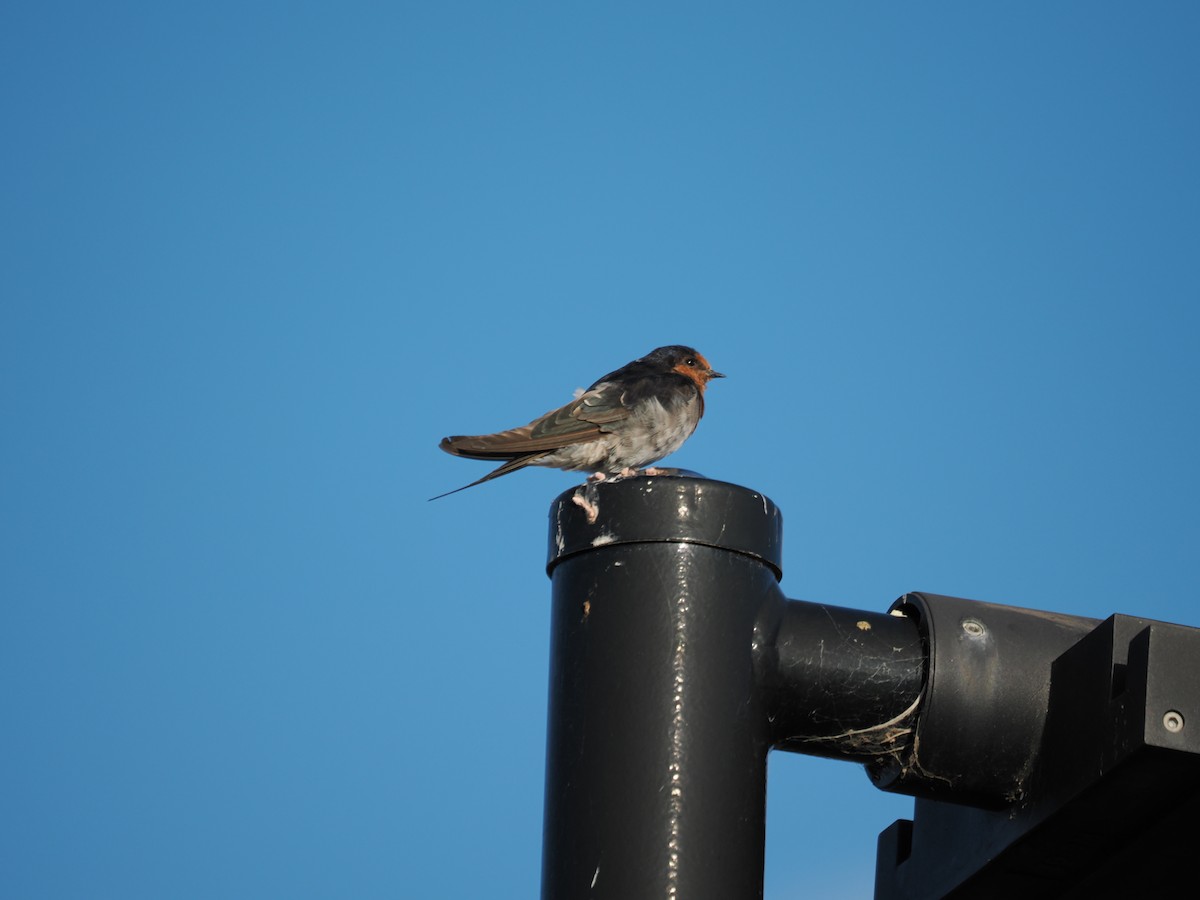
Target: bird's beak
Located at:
point(711, 374)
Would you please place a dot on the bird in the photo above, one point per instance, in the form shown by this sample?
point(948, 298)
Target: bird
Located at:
point(631, 417)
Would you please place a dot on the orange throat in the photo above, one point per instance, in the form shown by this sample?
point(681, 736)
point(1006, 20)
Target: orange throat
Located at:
point(696, 373)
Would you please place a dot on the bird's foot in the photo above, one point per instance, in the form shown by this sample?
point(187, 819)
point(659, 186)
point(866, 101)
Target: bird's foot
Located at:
point(627, 472)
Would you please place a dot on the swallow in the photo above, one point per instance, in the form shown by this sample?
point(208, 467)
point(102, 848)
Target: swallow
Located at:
point(628, 419)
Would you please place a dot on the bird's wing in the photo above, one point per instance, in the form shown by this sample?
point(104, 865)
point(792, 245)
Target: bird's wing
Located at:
point(583, 419)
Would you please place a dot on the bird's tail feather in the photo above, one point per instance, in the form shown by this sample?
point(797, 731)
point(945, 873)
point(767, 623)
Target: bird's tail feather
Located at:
point(510, 466)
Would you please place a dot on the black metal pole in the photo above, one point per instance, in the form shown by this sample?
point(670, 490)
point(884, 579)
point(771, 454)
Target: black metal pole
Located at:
point(658, 734)
point(676, 664)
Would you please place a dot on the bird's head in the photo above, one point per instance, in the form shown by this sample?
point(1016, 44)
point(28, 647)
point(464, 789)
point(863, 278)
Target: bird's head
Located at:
point(686, 361)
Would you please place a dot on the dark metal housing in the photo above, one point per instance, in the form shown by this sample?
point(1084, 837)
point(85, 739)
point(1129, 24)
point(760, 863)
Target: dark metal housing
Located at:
point(677, 663)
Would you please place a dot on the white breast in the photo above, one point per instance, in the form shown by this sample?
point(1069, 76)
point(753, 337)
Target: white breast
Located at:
point(653, 432)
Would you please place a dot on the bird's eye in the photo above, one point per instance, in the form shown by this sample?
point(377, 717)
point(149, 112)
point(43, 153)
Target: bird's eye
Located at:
point(690, 361)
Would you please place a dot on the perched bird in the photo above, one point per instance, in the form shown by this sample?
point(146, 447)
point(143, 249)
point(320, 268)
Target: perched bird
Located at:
point(628, 419)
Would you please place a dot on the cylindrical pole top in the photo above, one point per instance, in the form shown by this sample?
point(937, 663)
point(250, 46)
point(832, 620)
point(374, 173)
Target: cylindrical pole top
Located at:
point(674, 507)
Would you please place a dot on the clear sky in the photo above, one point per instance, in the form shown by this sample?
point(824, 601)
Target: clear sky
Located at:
point(258, 258)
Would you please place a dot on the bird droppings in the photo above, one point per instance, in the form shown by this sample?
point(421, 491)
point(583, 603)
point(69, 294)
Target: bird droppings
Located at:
point(587, 610)
point(589, 505)
point(863, 625)
point(560, 539)
point(601, 540)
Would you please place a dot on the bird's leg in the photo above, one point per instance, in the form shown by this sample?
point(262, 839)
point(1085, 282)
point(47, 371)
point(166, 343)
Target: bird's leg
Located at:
point(653, 470)
point(596, 478)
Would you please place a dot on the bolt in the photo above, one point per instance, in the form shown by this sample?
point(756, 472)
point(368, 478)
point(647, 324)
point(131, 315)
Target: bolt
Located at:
point(973, 627)
point(1173, 721)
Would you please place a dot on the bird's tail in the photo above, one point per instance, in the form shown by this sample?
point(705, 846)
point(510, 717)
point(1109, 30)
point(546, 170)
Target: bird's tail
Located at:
point(509, 466)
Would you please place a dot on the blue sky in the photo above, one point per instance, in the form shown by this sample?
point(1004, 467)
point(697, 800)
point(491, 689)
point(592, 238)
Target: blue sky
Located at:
point(259, 258)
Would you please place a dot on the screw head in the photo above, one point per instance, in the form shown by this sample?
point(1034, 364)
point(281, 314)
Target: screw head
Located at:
point(973, 627)
point(1173, 721)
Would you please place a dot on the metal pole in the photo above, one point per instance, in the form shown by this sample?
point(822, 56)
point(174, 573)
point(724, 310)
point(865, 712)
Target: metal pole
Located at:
point(676, 664)
point(658, 733)
point(845, 683)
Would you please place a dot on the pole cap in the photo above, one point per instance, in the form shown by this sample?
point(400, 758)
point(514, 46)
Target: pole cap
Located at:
point(675, 506)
